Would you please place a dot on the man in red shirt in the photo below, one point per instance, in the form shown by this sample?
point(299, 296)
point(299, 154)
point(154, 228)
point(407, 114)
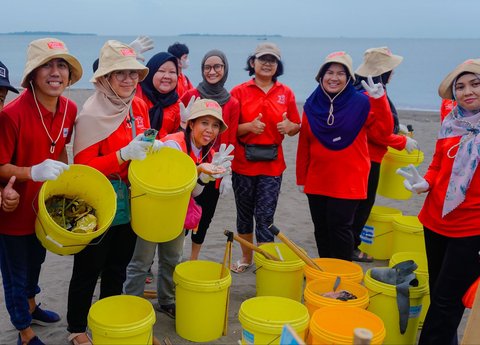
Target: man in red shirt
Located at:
point(180, 51)
point(34, 129)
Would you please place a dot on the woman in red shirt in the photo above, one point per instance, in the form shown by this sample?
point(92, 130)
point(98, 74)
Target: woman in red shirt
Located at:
point(450, 214)
point(332, 158)
point(214, 68)
point(267, 112)
point(108, 134)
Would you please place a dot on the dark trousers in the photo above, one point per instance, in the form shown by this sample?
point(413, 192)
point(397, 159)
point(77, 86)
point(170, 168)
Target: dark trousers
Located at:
point(21, 258)
point(109, 259)
point(365, 206)
point(453, 265)
point(208, 201)
point(332, 220)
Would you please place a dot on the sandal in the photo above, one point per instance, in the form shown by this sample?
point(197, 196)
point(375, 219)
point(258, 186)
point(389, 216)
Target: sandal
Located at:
point(240, 267)
point(73, 338)
point(360, 256)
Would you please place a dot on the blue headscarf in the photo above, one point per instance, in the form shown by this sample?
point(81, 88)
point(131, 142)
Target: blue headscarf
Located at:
point(159, 100)
point(336, 121)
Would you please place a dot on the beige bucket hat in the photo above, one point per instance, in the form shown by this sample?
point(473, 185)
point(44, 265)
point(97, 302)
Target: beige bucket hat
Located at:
point(267, 48)
point(115, 56)
point(207, 107)
point(445, 90)
point(337, 57)
point(377, 61)
point(43, 50)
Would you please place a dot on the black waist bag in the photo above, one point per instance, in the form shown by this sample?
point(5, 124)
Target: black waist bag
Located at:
point(259, 153)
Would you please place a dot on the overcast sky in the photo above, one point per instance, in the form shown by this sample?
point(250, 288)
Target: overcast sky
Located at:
point(297, 18)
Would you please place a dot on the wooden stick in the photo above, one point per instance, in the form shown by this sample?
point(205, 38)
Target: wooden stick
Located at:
point(252, 246)
point(156, 341)
point(297, 250)
point(472, 331)
point(150, 294)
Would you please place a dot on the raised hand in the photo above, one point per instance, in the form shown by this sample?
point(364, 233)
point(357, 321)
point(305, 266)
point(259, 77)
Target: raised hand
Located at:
point(185, 111)
point(141, 44)
point(413, 181)
point(374, 90)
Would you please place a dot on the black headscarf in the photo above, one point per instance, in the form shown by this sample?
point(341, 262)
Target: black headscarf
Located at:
point(159, 100)
point(215, 91)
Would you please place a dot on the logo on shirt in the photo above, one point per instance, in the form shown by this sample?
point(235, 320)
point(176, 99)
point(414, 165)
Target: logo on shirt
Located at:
point(140, 123)
point(281, 99)
point(65, 132)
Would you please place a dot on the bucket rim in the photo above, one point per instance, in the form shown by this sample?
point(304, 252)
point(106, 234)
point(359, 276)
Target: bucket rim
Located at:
point(188, 185)
point(390, 213)
point(204, 286)
point(402, 256)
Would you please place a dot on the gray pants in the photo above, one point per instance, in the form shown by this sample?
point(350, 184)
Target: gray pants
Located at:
point(169, 255)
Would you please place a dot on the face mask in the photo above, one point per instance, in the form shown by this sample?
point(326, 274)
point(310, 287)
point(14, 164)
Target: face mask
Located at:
point(185, 63)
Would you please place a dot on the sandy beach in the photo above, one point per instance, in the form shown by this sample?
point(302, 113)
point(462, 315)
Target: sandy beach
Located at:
point(292, 217)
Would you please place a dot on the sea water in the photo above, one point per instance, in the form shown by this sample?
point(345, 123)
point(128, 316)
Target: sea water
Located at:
point(414, 84)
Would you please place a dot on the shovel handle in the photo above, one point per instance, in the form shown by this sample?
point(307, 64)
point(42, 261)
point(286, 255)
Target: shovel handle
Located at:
point(252, 246)
point(290, 244)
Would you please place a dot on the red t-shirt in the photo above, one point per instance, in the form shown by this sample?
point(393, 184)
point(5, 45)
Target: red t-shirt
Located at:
point(183, 84)
point(446, 107)
point(464, 220)
point(25, 143)
point(230, 114)
point(253, 101)
point(103, 155)
point(171, 115)
point(343, 173)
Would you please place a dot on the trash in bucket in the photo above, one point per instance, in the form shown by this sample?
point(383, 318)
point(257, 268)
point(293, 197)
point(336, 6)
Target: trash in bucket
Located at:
point(333, 268)
point(87, 183)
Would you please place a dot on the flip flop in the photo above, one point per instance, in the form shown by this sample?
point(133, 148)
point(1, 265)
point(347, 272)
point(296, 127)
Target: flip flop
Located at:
point(240, 267)
point(360, 256)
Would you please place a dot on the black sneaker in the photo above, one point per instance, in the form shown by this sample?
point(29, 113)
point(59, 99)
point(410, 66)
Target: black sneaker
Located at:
point(168, 309)
point(44, 317)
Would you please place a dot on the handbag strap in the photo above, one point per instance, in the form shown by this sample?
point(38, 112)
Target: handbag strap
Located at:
point(132, 123)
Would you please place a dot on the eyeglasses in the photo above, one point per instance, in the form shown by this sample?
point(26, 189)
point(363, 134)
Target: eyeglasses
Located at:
point(123, 74)
point(217, 67)
point(270, 60)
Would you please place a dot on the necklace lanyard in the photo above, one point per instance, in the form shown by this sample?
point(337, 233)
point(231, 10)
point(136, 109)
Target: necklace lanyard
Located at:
point(53, 142)
point(131, 123)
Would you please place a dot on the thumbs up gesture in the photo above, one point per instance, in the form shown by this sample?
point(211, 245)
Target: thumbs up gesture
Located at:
point(286, 126)
point(10, 197)
point(257, 125)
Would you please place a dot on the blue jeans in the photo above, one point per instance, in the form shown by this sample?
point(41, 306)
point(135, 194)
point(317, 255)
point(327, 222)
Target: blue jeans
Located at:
point(169, 256)
point(21, 258)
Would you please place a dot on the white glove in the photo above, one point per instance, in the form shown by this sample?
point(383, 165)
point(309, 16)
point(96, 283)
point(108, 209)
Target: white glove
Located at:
point(411, 145)
point(413, 181)
point(205, 178)
point(227, 165)
point(223, 154)
point(141, 44)
point(225, 185)
point(402, 129)
point(49, 169)
point(157, 145)
point(301, 189)
point(374, 90)
point(185, 112)
point(136, 149)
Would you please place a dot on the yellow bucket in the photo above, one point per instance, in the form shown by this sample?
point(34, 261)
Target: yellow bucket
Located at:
point(408, 235)
point(279, 278)
point(161, 186)
point(87, 183)
point(421, 260)
point(390, 184)
point(333, 268)
point(122, 320)
point(315, 288)
point(262, 319)
point(383, 303)
point(336, 324)
point(201, 300)
point(377, 234)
